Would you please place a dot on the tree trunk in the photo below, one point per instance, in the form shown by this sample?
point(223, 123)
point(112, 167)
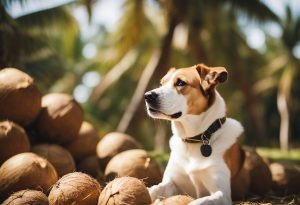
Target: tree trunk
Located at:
point(284, 120)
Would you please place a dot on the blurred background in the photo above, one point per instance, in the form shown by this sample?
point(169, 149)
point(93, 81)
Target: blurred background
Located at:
point(107, 53)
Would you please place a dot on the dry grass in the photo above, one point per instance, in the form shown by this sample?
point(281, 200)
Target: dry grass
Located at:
point(271, 200)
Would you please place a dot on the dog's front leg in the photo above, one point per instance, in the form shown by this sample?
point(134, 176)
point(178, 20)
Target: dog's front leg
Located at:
point(217, 183)
point(163, 190)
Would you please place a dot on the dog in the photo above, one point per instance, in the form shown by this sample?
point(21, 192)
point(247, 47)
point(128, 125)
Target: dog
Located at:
point(205, 150)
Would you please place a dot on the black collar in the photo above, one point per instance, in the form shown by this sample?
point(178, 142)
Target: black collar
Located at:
point(205, 136)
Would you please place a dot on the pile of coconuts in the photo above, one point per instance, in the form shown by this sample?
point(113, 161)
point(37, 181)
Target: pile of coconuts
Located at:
point(50, 155)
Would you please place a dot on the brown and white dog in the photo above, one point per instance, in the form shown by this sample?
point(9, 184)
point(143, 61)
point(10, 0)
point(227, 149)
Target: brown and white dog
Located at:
point(204, 147)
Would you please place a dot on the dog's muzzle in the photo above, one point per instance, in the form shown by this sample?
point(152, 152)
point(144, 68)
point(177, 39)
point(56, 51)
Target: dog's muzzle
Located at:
point(152, 100)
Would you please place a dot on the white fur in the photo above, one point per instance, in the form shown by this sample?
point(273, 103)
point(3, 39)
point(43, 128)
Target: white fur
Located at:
point(207, 179)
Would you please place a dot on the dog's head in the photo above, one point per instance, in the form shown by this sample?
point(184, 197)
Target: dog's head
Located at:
point(184, 91)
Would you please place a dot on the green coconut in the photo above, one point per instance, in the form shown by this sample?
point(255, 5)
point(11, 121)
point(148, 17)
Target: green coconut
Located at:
point(134, 163)
point(13, 140)
point(125, 190)
point(27, 197)
point(85, 143)
point(114, 143)
point(75, 188)
point(59, 157)
point(60, 118)
point(26, 171)
point(20, 99)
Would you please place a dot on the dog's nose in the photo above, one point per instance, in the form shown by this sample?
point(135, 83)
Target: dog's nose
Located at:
point(151, 96)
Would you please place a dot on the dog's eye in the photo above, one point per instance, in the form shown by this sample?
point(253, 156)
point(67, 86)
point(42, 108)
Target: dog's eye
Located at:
point(180, 83)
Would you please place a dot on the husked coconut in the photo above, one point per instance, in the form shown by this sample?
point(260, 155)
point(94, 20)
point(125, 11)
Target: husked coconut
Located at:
point(177, 200)
point(13, 140)
point(125, 190)
point(91, 166)
point(20, 99)
point(60, 118)
point(114, 143)
point(259, 172)
point(59, 157)
point(26, 171)
point(134, 163)
point(286, 178)
point(27, 197)
point(85, 143)
point(75, 188)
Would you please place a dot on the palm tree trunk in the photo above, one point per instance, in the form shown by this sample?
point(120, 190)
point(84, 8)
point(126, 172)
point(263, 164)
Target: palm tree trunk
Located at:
point(284, 120)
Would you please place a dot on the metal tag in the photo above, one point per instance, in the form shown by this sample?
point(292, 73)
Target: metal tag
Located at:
point(206, 150)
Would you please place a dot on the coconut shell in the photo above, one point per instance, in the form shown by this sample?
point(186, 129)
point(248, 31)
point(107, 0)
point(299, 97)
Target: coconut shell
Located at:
point(259, 172)
point(177, 200)
point(85, 143)
point(240, 184)
point(26, 171)
point(59, 157)
point(20, 99)
point(125, 190)
point(91, 166)
point(27, 197)
point(13, 140)
point(75, 188)
point(112, 144)
point(286, 178)
point(134, 163)
point(60, 118)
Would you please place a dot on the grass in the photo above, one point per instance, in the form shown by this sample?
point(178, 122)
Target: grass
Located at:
point(276, 155)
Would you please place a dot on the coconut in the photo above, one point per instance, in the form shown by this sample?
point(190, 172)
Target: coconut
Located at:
point(114, 143)
point(240, 184)
point(259, 172)
point(59, 157)
point(13, 140)
point(85, 143)
point(25, 197)
point(177, 200)
point(91, 166)
point(26, 171)
point(285, 178)
point(60, 118)
point(135, 163)
point(20, 99)
point(125, 190)
point(75, 188)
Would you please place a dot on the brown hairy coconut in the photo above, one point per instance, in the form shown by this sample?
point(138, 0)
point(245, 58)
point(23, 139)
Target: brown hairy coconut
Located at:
point(177, 200)
point(259, 172)
point(75, 188)
point(85, 143)
point(59, 157)
point(26, 171)
point(134, 163)
point(27, 197)
point(20, 99)
point(91, 166)
point(114, 143)
point(60, 118)
point(285, 178)
point(125, 191)
point(13, 140)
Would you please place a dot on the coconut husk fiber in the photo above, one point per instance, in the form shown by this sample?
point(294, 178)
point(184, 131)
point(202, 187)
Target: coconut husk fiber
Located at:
point(134, 163)
point(26, 171)
point(60, 118)
point(85, 143)
point(177, 200)
point(27, 197)
point(112, 144)
point(20, 99)
point(285, 178)
point(59, 157)
point(125, 191)
point(259, 172)
point(13, 140)
point(75, 188)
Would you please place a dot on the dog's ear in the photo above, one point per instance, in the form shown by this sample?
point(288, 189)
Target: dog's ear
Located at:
point(211, 76)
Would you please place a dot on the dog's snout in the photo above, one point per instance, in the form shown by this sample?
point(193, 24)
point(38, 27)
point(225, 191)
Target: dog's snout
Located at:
point(151, 96)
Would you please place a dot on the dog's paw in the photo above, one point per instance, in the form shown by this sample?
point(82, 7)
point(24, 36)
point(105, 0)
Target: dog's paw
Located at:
point(153, 192)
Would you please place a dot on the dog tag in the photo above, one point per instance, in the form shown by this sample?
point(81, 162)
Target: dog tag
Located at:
point(206, 150)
